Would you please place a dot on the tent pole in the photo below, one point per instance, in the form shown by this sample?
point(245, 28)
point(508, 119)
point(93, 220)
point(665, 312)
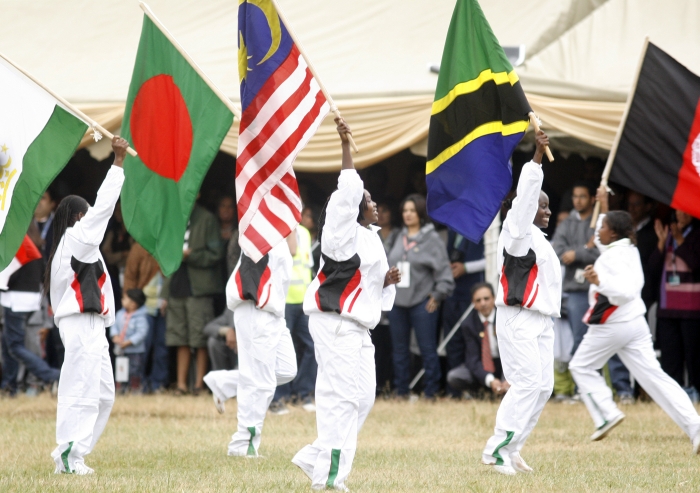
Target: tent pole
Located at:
point(95, 126)
point(618, 135)
point(326, 94)
point(224, 99)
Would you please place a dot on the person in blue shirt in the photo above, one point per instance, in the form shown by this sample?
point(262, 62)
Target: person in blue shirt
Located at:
point(129, 334)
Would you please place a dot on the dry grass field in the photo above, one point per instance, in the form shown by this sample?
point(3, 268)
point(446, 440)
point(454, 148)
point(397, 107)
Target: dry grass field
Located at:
point(165, 443)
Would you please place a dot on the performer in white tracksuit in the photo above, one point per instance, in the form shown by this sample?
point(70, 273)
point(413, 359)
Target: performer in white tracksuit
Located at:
point(83, 303)
point(529, 295)
point(353, 286)
point(617, 325)
point(256, 292)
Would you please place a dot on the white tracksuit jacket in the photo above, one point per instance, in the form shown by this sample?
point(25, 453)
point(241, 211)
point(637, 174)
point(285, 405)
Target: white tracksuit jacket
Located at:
point(618, 326)
point(529, 295)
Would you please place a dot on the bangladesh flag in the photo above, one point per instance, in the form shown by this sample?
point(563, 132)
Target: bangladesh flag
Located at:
point(659, 150)
point(176, 123)
point(37, 138)
point(478, 117)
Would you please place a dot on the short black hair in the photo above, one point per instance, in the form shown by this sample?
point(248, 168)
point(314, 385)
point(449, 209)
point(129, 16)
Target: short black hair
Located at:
point(479, 285)
point(587, 185)
point(137, 296)
point(620, 222)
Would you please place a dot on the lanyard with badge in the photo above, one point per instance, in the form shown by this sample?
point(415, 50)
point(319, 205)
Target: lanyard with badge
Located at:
point(405, 266)
point(674, 279)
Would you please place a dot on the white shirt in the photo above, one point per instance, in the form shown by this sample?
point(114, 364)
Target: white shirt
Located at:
point(351, 282)
point(20, 301)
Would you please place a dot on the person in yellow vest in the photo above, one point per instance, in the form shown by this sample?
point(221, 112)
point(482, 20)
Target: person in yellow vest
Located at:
point(303, 386)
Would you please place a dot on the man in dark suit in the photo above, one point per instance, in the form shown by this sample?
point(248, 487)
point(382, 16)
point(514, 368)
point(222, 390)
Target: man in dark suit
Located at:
point(482, 362)
point(641, 208)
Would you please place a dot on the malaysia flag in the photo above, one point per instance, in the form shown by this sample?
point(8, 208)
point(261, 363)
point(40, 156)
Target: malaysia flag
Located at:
point(282, 106)
point(26, 253)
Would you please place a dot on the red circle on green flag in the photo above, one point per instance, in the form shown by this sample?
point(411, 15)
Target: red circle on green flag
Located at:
point(161, 127)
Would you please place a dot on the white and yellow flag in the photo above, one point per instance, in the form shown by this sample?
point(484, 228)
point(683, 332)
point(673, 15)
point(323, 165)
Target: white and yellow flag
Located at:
point(37, 138)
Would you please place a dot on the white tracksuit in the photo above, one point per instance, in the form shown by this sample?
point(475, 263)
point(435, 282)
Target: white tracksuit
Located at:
point(83, 304)
point(617, 325)
point(256, 293)
point(529, 295)
point(343, 302)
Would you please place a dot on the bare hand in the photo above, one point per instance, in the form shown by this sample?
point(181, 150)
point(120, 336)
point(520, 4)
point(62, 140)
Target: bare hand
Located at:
point(432, 305)
point(541, 141)
point(498, 387)
point(393, 276)
point(231, 341)
point(343, 130)
point(568, 257)
point(458, 269)
point(124, 344)
point(43, 334)
point(505, 386)
point(591, 275)
point(119, 147)
point(661, 234)
point(677, 233)
point(186, 253)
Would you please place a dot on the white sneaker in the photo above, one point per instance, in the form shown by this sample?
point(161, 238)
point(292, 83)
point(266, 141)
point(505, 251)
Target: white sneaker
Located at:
point(309, 405)
point(519, 463)
point(507, 470)
point(603, 431)
point(219, 404)
point(82, 470)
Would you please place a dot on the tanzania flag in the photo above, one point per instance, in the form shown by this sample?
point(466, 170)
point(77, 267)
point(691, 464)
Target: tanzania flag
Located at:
point(176, 123)
point(479, 115)
point(37, 138)
point(659, 150)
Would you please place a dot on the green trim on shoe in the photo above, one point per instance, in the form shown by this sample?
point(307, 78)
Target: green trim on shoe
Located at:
point(251, 448)
point(497, 456)
point(335, 464)
point(64, 458)
point(605, 421)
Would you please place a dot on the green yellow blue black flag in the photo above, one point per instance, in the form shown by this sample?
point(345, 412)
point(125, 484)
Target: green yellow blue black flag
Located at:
point(479, 115)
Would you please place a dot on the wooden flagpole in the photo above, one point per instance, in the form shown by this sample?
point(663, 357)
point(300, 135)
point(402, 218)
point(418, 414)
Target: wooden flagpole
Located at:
point(95, 126)
point(536, 124)
point(326, 94)
point(224, 99)
point(618, 136)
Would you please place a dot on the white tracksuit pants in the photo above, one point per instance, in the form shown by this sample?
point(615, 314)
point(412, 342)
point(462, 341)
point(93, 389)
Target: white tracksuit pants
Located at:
point(266, 359)
point(526, 345)
point(85, 389)
point(345, 390)
point(632, 342)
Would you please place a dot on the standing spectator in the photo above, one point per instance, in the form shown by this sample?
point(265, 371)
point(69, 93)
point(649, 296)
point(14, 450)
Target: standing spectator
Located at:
point(115, 249)
point(388, 232)
point(142, 272)
point(21, 299)
point(222, 342)
point(43, 217)
point(227, 216)
point(191, 290)
point(573, 244)
point(481, 361)
point(297, 322)
point(129, 335)
point(640, 208)
point(677, 260)
point(468, 264)
point(421, 257)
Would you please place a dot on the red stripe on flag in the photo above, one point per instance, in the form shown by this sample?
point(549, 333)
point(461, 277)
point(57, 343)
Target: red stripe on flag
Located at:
point(282, 73)
point(27, 251)
point(279, 194)
point(282, 227)
point(282, 153)
point(257, 240)
point(685, 197)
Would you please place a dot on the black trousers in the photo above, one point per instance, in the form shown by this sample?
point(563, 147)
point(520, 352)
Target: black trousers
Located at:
point(679, 342)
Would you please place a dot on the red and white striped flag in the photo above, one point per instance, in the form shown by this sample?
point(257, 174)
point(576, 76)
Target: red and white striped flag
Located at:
point(282, 106)
point(26, 253)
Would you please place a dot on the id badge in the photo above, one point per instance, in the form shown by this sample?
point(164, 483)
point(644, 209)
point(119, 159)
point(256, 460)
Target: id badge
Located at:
point(121, 369)
point(674, 279)
point(405, 269)
point(578, 276)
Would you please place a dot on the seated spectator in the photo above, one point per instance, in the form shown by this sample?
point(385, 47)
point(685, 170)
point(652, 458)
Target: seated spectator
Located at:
point(221, 342)
point(129, 334)
point(482, 361)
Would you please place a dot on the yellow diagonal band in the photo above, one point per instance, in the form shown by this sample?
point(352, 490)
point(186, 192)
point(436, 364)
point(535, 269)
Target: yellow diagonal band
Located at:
point(473, 85)
point(485, 129)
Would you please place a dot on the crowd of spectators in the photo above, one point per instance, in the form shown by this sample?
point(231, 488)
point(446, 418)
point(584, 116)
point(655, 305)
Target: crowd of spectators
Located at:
point(173, 330)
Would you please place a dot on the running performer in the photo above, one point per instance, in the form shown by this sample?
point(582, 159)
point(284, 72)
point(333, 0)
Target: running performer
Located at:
point(529, 295)
point(256, 292)
point(345, 301)
point(617, 325)
point(83, 305)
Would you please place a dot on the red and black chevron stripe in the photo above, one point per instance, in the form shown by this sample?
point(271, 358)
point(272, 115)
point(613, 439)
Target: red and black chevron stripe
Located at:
point(251, 279)
point(600, 312)
point(337, 281)
point(518, 279)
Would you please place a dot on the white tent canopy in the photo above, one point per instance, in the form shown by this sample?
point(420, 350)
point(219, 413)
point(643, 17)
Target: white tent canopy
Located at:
point(372, 55)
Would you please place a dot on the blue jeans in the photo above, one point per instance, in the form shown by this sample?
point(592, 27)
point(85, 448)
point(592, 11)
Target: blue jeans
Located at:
point(304, 383)
point(13, 351)
point(452, 309)
point(158, 351)
point(425, 326)
point(578, 306)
